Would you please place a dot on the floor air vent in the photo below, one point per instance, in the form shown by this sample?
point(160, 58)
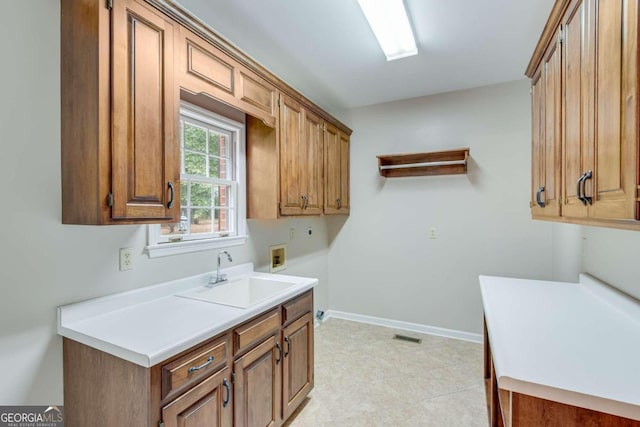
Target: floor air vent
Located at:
point(406, 338)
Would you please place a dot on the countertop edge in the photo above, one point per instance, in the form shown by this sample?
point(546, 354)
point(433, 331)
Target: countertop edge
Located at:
point(596, 403)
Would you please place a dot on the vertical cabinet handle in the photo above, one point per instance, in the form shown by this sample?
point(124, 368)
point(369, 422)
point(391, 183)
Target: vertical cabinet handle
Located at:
point(226, 385)
point(586, 199)
point(286, 353)
point(539, 200)
point(279, 358)
point(339, 203)
point(170, 203)
point(579, 188)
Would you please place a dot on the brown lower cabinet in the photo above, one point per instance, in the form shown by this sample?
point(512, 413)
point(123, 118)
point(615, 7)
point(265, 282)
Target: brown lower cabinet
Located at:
point(253, 375)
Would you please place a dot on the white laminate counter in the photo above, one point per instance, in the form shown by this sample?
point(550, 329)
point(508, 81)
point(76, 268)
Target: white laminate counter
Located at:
point(574, 343)
point(152, 324)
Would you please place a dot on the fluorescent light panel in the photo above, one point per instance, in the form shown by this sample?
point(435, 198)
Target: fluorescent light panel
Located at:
point(389, 22)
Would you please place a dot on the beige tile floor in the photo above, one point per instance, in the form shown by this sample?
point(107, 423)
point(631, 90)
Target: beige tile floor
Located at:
point(364, 378)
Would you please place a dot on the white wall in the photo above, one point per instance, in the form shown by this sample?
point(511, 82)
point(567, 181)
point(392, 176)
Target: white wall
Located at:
point(43, 263)
point(383, 263)
point(612, 256)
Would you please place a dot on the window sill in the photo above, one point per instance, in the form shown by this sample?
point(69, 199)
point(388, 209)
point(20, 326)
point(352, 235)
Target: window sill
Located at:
point(188, 246)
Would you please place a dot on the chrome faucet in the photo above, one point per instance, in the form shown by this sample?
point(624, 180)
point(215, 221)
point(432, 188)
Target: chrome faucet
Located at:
point(220, 278)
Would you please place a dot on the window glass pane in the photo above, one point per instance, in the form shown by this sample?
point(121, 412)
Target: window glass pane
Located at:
point(221, 195)
point(195, 137)
point(219, 168)
point(200, 194)
point(195, 164)
point(218, 144)
point(221, 221)
point(183, 192)
point(200, 220)
point(176, 228)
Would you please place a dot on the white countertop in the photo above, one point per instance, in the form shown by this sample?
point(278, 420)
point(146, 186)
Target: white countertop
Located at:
point(574, 343)
point(149, 325)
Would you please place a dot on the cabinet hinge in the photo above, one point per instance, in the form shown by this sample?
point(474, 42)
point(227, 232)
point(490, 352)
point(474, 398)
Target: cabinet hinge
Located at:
point(233, 377)
point(279, 206)
point(560, 38)
point(278, 102)
point(161, 424)
point(109, 4)
point(110, 200)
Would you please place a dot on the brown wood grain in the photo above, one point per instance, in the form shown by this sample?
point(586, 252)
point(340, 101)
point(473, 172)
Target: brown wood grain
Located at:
point(103, 390)
point(292, 310)
point(548, 34)
point(336, 171)
point(297, 368)
point(176, 375)
point(291, 145)
point(202, 405)
point(253, 331)
point(263, 182)
point(258, 386)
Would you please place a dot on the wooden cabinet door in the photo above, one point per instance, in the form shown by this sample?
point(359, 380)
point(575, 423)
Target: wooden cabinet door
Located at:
point(311, 162)
point(145, 148)
point(258, 387)
point(291, 141)
point(297, 369)
point(537, 140)
point(578, 112)
point(207, 404)
point(547, 189)
point(336, 171)
point(614, 183)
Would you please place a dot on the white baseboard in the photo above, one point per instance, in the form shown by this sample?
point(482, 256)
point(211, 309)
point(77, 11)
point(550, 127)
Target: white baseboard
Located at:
point(406, 326)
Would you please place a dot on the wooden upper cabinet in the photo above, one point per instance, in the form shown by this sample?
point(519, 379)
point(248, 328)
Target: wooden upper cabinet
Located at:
point(120, 162)
point(615, 177)
point(547, 145)
point(537, 140)
point(301, 142)
point(336, 171)
point(598, 124)
point(578, 112)
point(205, 69)
point(145, 150)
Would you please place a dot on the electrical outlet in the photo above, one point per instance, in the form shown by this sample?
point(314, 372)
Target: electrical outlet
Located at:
point(126, 259)
point(433, 233)
point(292, 233)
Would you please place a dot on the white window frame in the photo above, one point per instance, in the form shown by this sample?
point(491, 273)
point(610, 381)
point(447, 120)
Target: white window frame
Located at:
point(159, 245)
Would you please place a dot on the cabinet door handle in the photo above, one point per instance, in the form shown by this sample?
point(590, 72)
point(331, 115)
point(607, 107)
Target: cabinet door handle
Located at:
point(579, 188)
point(586, 199)
point(305, 201)
point(170, 203)
point(279, 358)
point(539, 200)
point(204, 365)
point(286, 339)
point(226, 385)
point(339, 203)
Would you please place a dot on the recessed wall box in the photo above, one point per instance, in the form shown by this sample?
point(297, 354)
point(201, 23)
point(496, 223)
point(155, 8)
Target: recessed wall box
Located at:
point(278, 258)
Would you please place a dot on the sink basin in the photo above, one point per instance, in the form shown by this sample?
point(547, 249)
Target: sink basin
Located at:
point(240, 293)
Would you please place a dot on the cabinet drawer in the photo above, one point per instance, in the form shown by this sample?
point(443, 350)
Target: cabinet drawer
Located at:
point(193, 366)
point(256, 330)
point(297, 307)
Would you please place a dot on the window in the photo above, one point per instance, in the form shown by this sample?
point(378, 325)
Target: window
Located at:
point(212, 186)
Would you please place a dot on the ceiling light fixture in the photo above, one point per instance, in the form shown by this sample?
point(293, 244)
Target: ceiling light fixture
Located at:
point(389, 22)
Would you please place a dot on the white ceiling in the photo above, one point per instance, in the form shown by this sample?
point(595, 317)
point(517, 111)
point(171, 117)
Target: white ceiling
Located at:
point(326, 50)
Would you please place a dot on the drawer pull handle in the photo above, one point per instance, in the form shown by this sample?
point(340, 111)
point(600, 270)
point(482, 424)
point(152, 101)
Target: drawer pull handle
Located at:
point(279, 358)
point(226, 385)
point(204, 365)
point(170, 203)
point(286, 339)
point(586, 199)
